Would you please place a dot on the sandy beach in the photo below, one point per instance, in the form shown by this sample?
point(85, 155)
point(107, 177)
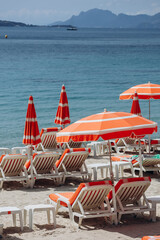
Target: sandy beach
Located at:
point(14, 194)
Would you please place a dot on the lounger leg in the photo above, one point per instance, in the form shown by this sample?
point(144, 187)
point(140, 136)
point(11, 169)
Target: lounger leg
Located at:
point(1, 184)
point(58, 206)
point(80, 221)
point(132, 170)
point(71, 214)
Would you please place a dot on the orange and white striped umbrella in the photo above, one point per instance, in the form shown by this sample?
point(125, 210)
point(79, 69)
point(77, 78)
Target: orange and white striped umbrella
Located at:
point(62, 116)
point(107, 125)
point(135, 109)
point(31, 130)
point(144, 91)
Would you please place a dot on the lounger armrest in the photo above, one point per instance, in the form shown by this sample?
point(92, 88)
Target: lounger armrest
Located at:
point(63, 199)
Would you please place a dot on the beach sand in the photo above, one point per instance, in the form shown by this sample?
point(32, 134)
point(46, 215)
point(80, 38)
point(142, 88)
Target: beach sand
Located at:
point(14, 194)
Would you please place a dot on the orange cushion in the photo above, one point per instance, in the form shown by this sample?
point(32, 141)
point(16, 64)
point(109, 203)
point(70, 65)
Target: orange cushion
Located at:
point(120, 158)
point(128, 180)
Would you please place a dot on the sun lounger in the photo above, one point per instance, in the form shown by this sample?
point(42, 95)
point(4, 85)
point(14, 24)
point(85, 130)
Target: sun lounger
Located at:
point(72, 163)
point(86, 202)
point(48, 139)
point(123, 145)
point(149, 162)
point(12, 168)
point(153, 145)
point(130, 196)
point(43, 167)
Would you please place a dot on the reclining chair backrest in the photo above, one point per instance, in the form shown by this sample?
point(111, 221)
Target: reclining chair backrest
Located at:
point(73, 159)
point(12, 164)
point(131, 190)
point(43, 162)
point(91, 195)
point(48, 137)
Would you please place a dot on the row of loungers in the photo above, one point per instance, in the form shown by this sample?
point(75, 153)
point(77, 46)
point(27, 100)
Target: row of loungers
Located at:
point(46, 165)
point(102, 199)
point(50, 165)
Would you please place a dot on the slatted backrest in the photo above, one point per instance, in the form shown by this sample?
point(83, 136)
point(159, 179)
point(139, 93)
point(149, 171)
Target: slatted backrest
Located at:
point(120, 142)
point(12, 164)
point(129, 141)
point(73, 161)
point(74, 144)
point(148, 162)
point(48, 137)
point(92, 197)
point(44, 162)
point(129, 192)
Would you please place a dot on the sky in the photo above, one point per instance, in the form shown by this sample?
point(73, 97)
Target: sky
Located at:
point(43, 12)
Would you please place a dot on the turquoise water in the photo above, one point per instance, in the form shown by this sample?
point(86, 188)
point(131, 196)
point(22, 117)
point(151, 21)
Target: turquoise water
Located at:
point(95, 65)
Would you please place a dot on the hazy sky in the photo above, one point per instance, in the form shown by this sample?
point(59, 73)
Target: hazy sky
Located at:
point(49, 11)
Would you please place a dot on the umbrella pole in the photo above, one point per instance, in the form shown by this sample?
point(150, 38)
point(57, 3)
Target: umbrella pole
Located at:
point(140, 158)
point(31, 157)
point(111, 169)
point(149, 110)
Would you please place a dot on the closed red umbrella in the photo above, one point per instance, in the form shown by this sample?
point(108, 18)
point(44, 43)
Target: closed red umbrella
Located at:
point(31, 131)
point(63, 116)
point(135, 109)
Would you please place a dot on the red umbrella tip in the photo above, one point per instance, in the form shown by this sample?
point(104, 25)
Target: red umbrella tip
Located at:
point(30, 98)
point(63, 87)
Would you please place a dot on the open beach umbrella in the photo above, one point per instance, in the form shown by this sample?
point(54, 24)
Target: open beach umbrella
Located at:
point(107, 125)
point(62, 116)
point(31, 131)
point(135, 109)
point(145, 91)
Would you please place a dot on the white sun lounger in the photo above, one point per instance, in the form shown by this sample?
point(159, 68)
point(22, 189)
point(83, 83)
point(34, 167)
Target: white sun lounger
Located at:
point(86, 202)
point(12, 168)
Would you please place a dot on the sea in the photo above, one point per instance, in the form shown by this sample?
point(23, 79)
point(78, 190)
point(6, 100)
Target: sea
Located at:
point(95, 65)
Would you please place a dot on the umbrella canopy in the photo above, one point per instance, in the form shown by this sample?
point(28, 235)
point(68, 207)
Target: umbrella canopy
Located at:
point(135, 109)
point(31, 130)
point(62, 116)
point(107, 125)
point(144, 91)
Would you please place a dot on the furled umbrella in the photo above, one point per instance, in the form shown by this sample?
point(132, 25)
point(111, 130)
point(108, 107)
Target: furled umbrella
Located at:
point(135, 109)
point(31, 131)
point(63, 116)
point(145, 91)
point(107, 125)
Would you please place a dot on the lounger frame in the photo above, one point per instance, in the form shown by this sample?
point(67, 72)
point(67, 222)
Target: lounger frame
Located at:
point(89, 204)
point(12, 168)
point(44, 168)
point(73, 165)
point(131, 198)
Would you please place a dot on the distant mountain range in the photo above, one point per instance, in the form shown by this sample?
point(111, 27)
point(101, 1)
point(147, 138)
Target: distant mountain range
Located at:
point(97, 18)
